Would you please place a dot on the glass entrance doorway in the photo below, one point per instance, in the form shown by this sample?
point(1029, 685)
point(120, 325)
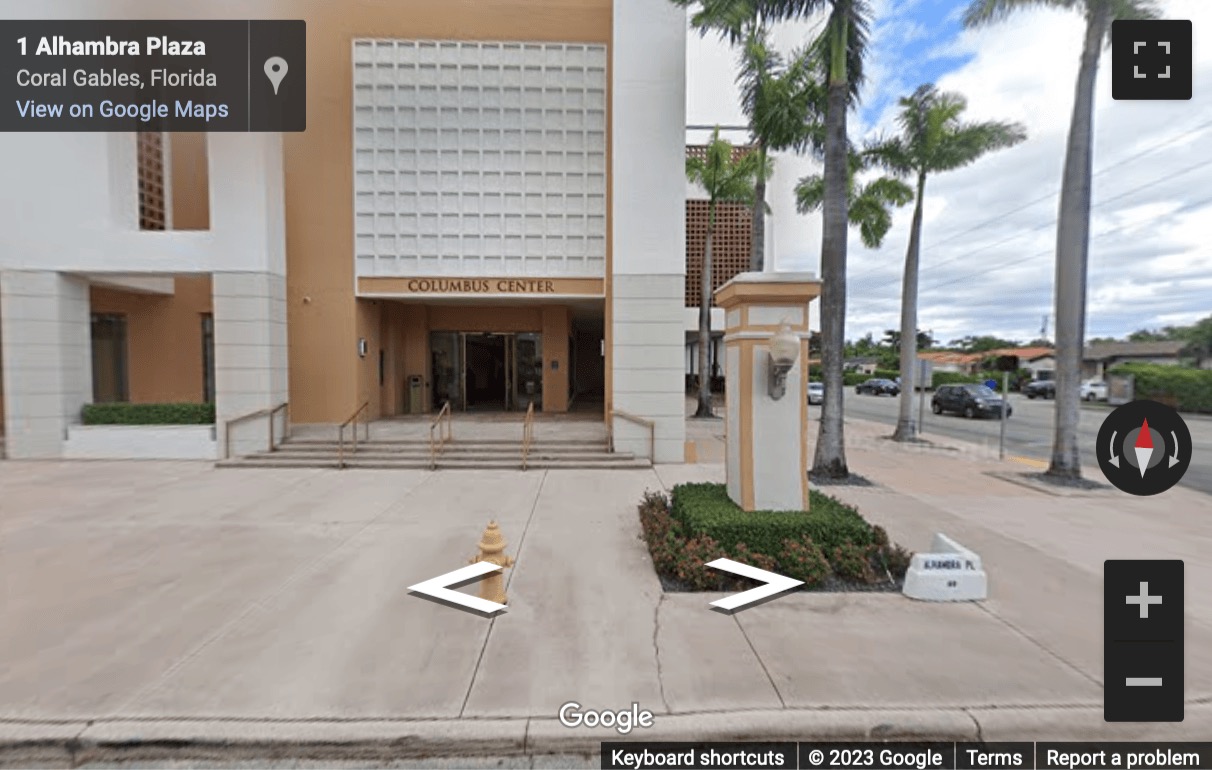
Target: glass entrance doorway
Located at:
point(486, 371)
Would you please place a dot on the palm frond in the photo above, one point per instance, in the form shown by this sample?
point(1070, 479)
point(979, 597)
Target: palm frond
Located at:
point(968, 142)
point(726, 18)
point(890, 153)
point(933, 138)
point(809, 193)
point(887, 191)
point(984, 12)
point(1134, 9)
point(723, 177)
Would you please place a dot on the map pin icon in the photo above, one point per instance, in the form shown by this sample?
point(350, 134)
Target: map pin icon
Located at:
point(275, 70)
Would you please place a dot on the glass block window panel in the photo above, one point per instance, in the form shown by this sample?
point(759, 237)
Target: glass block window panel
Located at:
point(474, 158)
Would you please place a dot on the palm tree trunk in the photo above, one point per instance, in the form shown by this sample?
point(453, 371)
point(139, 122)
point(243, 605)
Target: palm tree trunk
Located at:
point(757, 253)
point(1072, 250)
point(830, 458)
point(705, 407)
point(906, 426)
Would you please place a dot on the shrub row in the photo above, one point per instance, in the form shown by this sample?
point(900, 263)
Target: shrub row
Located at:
point(706, 509)
point(954, 378)
point(148, 414)
point(1188, 390)
point(702, 524)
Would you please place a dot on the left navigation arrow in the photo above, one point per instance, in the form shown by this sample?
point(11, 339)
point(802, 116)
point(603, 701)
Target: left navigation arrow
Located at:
point(438, 587)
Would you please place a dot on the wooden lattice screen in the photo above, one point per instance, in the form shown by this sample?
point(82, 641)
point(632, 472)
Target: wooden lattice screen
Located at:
point(152, 197)
point(731, 244)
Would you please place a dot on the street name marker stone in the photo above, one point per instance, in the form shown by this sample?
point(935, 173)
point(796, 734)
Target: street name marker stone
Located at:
point(948, 573)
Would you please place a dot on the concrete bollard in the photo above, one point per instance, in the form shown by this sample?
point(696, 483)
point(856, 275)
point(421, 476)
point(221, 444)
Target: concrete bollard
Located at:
point(492, 547)
point(949, 573)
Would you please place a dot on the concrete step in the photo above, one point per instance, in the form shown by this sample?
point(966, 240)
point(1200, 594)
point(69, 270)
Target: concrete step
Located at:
point(321, 443)
point(462, 454)
point(454, 446)
point(446, 463)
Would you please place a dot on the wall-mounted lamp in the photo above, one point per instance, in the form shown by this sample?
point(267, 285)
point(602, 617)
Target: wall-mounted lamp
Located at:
point(784, 350)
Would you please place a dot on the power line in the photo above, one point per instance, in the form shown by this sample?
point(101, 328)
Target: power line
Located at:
point(1001, 265)
point(1195, 130)
point(1052, 223)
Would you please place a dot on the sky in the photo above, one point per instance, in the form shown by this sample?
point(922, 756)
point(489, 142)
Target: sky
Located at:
point(989, 229)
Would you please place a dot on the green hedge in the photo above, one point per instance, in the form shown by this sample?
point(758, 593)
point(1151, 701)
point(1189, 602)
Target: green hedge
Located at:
point(706, 509)
point(148, 414)
point(955, 378)
point(1188, 390)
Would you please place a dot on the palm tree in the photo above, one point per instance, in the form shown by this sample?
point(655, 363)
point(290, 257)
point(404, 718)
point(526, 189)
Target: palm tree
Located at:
point(1073, 225)
point(725, 179)
point(779, 98)
point(838, 52)
point(868, 205)
point(933, 139)
point(775, 94)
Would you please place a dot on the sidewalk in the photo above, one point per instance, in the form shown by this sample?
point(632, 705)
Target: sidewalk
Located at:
point(171, 609)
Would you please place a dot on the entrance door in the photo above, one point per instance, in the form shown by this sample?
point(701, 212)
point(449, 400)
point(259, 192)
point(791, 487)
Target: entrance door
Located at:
point(486, 362)
point(446, 369)
point(109, 359)
point(528, 371)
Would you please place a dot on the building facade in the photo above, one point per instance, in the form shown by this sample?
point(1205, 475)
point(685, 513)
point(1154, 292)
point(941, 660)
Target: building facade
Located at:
point(487, 208)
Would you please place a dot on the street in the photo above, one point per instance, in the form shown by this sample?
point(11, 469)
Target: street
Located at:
point(1029, 432)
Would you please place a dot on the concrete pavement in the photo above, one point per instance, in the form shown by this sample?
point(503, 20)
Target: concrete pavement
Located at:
point(171, 609)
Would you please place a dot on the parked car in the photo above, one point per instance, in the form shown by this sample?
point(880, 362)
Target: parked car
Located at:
point(1040, 389)
point(972, 400)
point(1094, 390)
point(878, 387)
point(816, 393)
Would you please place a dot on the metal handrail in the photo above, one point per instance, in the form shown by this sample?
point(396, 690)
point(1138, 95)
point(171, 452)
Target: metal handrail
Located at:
point(442, 423)
point(283, 408)
point(649, 424)
point(527, 434)
point(229, 424)
point(353, 418)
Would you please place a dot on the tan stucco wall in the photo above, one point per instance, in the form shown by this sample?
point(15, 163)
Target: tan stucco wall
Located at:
point(327, 380)
point(163, 337)
point(189, 181)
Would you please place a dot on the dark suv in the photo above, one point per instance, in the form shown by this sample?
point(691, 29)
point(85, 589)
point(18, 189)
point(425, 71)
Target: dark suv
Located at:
point(1040, 389)
point(878, 386)
point(971, 401)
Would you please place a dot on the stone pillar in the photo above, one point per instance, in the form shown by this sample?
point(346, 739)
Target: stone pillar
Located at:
point(767, 439)
point(47, 349)
point(250, 355)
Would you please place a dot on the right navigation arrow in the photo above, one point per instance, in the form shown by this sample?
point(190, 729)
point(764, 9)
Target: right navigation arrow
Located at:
point(775, 584)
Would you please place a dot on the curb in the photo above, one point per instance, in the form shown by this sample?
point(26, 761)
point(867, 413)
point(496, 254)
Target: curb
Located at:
point(76, 743)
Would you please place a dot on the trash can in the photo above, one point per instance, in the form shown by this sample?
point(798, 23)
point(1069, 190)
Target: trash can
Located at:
point(416, 392)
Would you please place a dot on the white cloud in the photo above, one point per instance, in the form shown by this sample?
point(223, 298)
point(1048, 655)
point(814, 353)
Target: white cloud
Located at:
point(990, 228)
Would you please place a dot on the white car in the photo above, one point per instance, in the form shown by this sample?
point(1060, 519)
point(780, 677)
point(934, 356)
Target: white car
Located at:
point(816, 393)
point(1094, 390)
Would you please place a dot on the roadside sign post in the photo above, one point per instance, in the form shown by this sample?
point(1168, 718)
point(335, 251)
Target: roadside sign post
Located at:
point(925, 379)
point(921, 408)
point(1001, 439)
